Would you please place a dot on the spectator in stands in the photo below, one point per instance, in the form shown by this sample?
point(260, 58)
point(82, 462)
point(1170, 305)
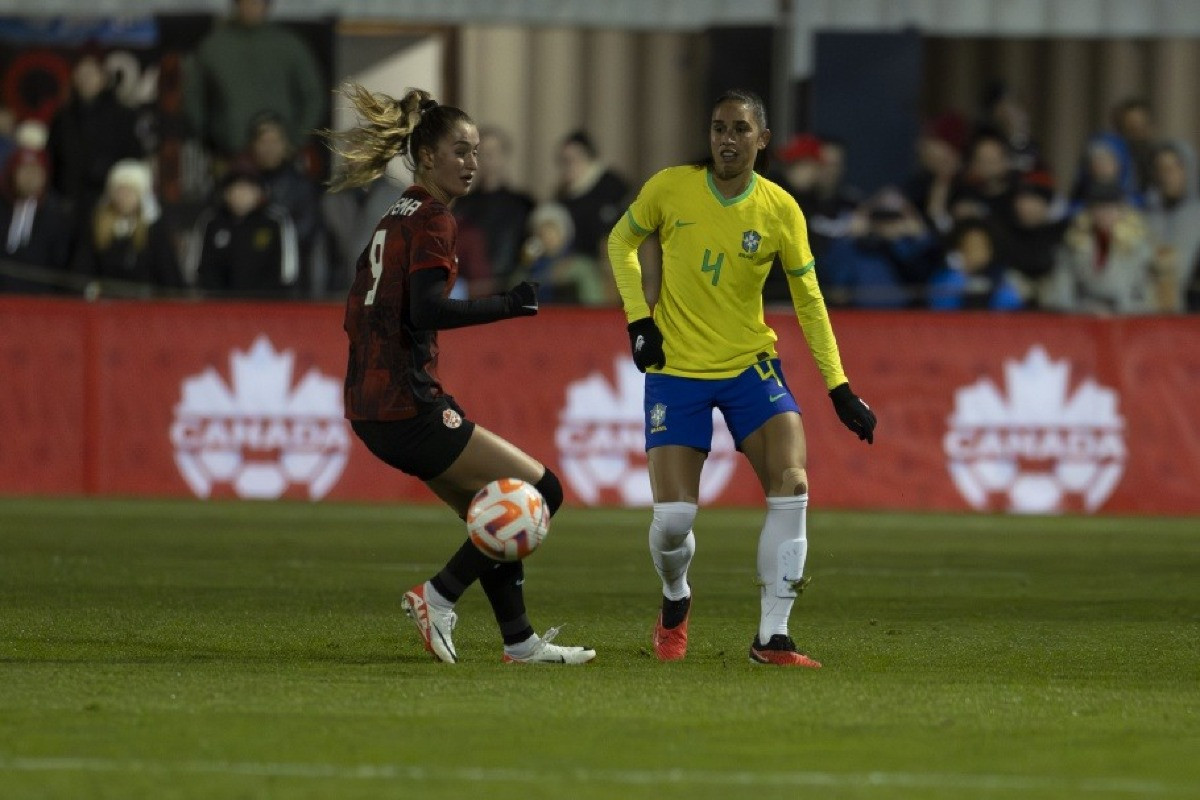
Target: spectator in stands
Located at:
point(273, 156)
point(1107, 262)
point(245, 246)
point(972, 278)
point(349, 218)
point(837, 201)
point(35, 230)
point(1133, 122)
point(1029, 243)
point(128, 239)
point(247, 66)
point(89, 133)
point(593, 194)
point(1173, 215)
point(987, 178)
point(799, 172)
point(496, 209)
point(562, 275)
point(886, 262)
point(1106, 162)
point(939, 155)
point(966, 202)
point(813, 173)
point(1004, 115)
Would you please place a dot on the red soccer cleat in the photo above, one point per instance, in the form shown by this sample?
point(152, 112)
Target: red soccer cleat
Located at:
point(670, 644)
point(781, 651)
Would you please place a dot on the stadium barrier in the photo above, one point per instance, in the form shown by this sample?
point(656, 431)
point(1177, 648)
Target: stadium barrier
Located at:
point(1026, 413)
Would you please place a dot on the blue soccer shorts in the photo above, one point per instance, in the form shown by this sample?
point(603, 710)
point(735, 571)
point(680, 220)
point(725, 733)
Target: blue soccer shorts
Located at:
point(679, 410)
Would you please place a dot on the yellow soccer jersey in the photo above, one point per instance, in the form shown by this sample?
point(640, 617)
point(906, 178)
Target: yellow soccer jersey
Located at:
point(717, 252)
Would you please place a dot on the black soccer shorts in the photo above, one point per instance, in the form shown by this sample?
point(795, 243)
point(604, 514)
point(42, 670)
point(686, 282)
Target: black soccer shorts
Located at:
point(424, 446)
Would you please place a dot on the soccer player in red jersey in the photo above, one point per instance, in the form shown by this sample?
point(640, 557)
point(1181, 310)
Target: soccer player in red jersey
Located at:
point(395, 401)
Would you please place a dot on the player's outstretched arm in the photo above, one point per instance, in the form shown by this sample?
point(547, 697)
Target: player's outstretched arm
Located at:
point(429, 308)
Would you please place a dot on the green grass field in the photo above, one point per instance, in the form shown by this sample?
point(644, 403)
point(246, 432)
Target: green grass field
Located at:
point(230, 650)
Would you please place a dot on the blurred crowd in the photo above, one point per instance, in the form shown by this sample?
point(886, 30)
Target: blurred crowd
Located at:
point(982, 223)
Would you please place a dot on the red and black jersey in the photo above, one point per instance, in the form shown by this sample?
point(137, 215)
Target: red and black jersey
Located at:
point(392, 369)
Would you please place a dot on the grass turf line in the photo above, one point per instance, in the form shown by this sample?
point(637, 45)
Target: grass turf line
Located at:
point(182, 649)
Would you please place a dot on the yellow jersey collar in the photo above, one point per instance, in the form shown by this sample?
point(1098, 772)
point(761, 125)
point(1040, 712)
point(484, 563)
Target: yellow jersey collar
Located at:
point(728, 201)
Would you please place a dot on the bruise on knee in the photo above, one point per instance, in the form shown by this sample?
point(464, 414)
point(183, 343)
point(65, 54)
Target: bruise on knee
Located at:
point(793, 482)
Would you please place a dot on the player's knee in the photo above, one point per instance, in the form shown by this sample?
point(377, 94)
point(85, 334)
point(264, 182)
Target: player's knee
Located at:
point(794, 481)
point(671, 524)
point(551, 490)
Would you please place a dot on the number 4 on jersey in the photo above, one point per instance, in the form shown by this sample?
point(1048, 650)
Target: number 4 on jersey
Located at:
point(715, 267)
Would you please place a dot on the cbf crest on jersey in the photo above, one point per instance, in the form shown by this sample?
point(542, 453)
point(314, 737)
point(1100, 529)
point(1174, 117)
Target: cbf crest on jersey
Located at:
point(751, 240)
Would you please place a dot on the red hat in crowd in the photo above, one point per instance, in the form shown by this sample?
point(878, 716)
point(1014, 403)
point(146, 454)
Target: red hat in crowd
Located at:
point(1038, 182)
point(950, 128)
point(801, 147)
point(242, 169)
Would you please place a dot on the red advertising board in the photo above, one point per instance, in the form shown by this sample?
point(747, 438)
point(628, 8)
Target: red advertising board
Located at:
point(1028, 413)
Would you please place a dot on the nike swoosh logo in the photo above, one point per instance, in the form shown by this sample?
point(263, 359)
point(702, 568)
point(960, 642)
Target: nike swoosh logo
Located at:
point(681, 223)
point(775, 397)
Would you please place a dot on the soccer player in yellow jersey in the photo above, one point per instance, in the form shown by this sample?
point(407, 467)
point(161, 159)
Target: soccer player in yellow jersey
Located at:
point(706, 345)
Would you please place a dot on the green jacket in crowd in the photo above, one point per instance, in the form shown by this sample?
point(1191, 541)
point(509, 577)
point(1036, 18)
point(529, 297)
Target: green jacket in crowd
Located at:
point(238, 71)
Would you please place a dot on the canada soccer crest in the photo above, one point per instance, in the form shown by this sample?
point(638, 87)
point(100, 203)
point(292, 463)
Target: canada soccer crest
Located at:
point(751, 240)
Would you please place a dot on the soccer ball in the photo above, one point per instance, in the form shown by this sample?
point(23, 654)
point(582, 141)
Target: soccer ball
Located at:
point(508, 519)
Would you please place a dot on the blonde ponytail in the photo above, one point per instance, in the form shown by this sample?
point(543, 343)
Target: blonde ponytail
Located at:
point(383, 133)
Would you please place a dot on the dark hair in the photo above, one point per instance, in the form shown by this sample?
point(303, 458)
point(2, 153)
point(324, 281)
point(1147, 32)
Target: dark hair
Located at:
point(746, 97)
point(954, 238)
point(585, 143)
point(993, 93)
point(762, 161)
point(266, 118)
point(436, 122)
point(242, 170)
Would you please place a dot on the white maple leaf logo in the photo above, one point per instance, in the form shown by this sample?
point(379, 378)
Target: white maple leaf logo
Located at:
point(602, 443)
point(259, 433)
point(1037, 444)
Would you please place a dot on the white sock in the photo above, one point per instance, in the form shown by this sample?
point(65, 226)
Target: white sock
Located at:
point(435, 598)
point(782, 549)
point(524, 647)
point(672, 545)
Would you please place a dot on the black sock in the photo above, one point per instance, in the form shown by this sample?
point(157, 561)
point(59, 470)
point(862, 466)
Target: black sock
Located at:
point(464, 568)
point(504, 586)
point(674, 612)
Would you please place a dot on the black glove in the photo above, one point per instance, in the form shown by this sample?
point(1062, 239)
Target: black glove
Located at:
point(646, 341)
point(853, 412)
point(522, 299)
